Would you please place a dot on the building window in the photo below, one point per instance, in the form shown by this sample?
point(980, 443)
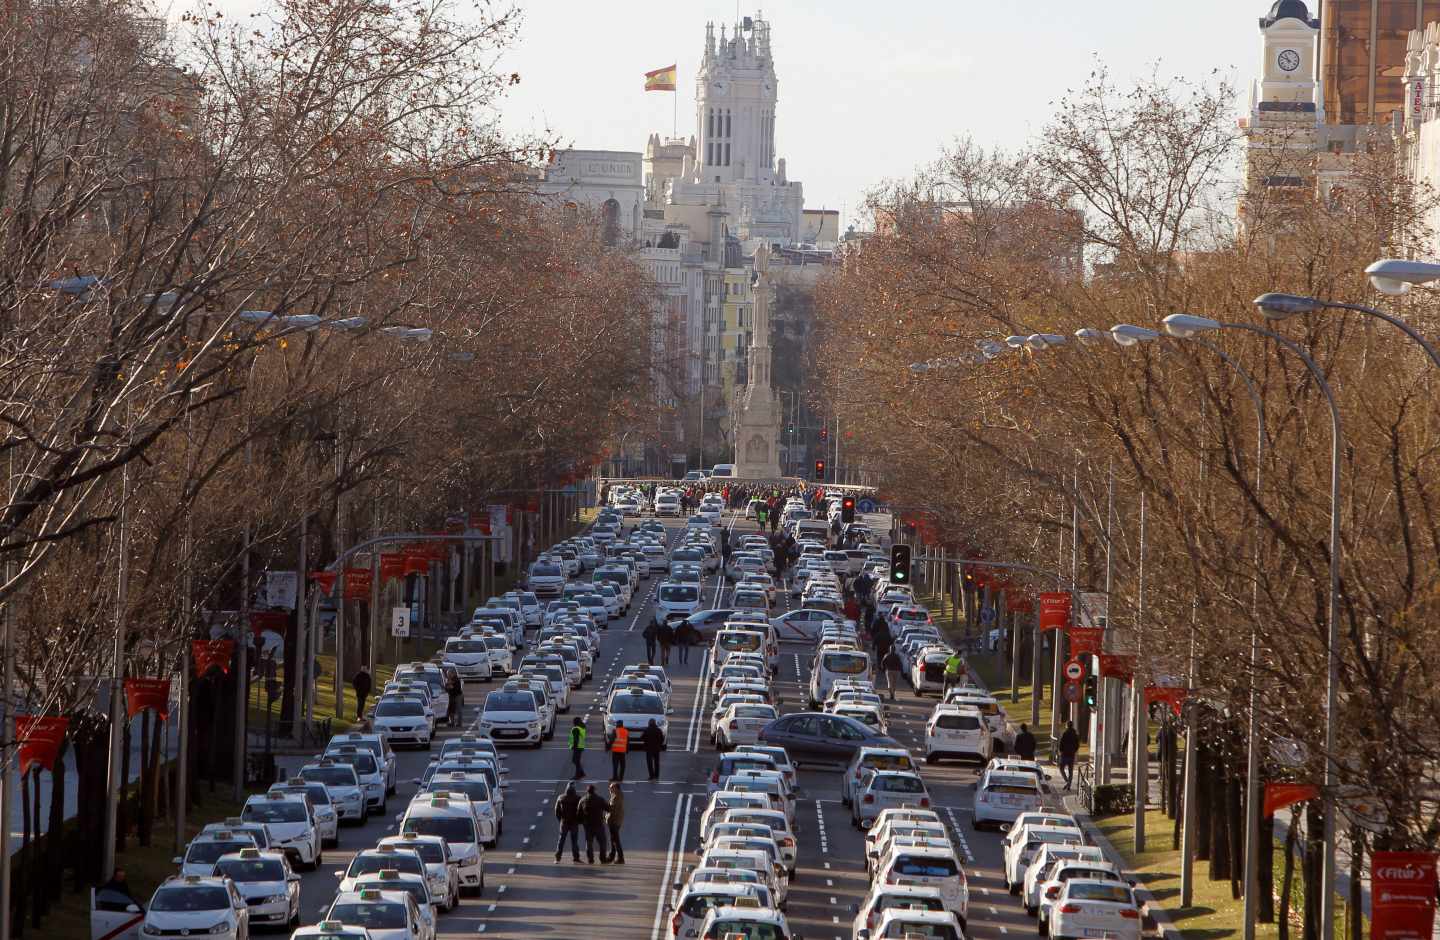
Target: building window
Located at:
point(727, 122)
point(610, 215)
point(710, 123)
point(727, 154)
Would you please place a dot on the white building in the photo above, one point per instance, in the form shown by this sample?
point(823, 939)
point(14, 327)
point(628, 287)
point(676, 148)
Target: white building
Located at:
point(607, 181)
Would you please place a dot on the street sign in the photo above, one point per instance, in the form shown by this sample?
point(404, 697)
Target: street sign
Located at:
point(866, 505)
point(1072, 692)
point(987, 615)
point(1074, 670)
point(400, 622)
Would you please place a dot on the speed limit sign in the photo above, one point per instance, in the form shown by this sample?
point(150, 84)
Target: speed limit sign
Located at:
point(1074, 670)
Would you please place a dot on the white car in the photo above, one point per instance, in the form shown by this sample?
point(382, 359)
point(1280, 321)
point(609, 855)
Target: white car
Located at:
point(1022, 845)
point(932, 925)
point(471, 658)
point(330, 930)
point(929, 866)
point(883, 897)
point(1002, 796)
point(635, 709)
point(676, 599)
point(1063, 872)
point(387, 915)
point(455, 823)
point(271, 889)
point(434, 854)
point(510, 716)
point(546, 579)
point(326, 819)
point(209, 906)
point(1096, 909)
point(1040, 865)
point(404, 719)
point(381, 858)
point(741, 724)
point(883, 789)
point(208, 848)
point(872, 758)
point(476, 789)
point(414, 885)
point(376, 744)
point(346, 794)
point(695, 902)
point(291, 824)
point(958, 731)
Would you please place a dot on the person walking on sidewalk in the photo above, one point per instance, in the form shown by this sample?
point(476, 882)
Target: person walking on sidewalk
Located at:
point(615, 821)
point(361, 685)
point(577, 746)
point(1025, 744)
point(567, 813)
point(593, 808)
point(891, 665)
point(1069, 747)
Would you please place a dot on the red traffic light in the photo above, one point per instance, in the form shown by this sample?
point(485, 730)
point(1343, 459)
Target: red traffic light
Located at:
point(819, 469)
point(847, 502)
point(824, 433)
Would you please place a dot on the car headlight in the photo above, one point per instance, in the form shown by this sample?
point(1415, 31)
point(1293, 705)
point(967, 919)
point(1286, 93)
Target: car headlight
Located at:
point(222, 927)
point(150, 930)
point(275, 899)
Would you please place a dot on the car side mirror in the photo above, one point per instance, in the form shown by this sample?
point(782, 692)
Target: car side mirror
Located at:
point(177, 860)
point(340, 874)
point(132, 909)
point(292, 877)
point(862, 934)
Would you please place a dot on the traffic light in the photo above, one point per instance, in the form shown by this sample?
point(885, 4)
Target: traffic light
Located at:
point(824, 433)
point(1092, 691)
point(820, 470)
point(847, 509)
point(790, 429)
point(899, 564)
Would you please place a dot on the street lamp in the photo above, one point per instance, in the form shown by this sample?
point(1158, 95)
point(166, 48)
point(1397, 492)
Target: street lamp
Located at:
point(1283, 306)
point(1186, 326)
point(1396, 275)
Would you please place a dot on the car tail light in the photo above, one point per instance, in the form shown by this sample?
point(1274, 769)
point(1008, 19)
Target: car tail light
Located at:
point(675, 923)
point(924, 802)
point(869, 798)
point(891, 880)
point(1070, 909)
point(1131, 913)
point(1053, 891)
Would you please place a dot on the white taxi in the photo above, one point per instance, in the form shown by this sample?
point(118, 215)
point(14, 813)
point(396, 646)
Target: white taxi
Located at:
point(958, 731)
point(1000, 797)
point(1096, 909)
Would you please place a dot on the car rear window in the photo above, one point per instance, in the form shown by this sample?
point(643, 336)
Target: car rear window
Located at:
point(848, 664)
point(1118, 894)
point(733, 641)
point(958, 722)
point(887, 762)
point(925, 867)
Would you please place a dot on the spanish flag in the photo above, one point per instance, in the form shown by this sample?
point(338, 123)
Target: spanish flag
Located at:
point(661, 79)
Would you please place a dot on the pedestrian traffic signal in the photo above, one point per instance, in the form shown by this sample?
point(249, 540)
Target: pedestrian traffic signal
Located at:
point(847, 509)
point(790, 429)
point(820, 470)
point(899, 564)
point(824, 433)
point(1092, 691)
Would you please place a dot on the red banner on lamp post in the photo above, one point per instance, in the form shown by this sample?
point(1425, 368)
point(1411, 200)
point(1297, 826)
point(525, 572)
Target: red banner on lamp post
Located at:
point(392, 566)
point(1402, 895)
point(276, 621)
point(1086, 640)
point(326, 580)
point(1055, 610)
point(357, 584)
point(1281, 795)
point(141, 694)
point(40, 739)
point(1174, 696)
point(211, 653)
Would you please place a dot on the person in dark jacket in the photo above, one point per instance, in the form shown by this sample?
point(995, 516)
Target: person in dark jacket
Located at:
point(653, 741)
point(455, 689)
point(666, 635)
point(593, 808)
point(361, 684)
point(649, 633)
point(891, 664)
point(686, 636)
point(1069, 747)
point(616, 820)
point(1025, 744)
point(567, 812)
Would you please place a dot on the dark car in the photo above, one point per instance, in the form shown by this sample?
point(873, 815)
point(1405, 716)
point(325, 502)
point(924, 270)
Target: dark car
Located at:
point(709, 622)
point(821, 738)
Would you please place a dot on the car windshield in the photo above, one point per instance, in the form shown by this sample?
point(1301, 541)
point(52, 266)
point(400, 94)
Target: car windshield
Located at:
point(477, 790)
point(191, 898)
point(202, 853)
point(1117, 894)
point(274, 811)
point(545, 571)
point(373, 862)
point(375, 915)
point(333, 776)
point(432, 852)
point(510, 702)
point(748, 930)
point(465, 646)
point(678, 592)
point(450, 828)
point(848, 664)
point(494, 643)
point(919, 930)
point(251, 869)
point(887, 762)
point(398, 709)
point(917, 867)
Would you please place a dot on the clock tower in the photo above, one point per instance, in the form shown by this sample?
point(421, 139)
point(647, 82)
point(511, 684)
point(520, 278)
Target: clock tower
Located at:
point(1287, 66)
point(1283, 130)
point(735, 95)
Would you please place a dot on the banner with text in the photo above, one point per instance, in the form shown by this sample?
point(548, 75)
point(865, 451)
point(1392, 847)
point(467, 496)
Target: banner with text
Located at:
point(209, 654)
point(141, 694)
point(357, 584)
point(1402, 895)
point(1055, 610)
point(1281, 795)
point(40, 739)
point(1172, 695)
point(1086, 640)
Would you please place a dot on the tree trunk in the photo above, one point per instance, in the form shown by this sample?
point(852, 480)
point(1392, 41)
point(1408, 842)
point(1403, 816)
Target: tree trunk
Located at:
point(1219, 828)
point(142, 804)
point(1235, 820)
point(1202, 800)
point(1287, 880)
point(1265, 908)
point(122, 810)
point(1353, 917)
point(21, 876)
point(55, 840)
point(1310, 869)
point(37, 849)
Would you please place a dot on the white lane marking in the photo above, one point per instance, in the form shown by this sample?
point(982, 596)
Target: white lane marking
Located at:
point(824, 837)
point(501, 889)
point(481, 928)
point(491, 909)
point(692, 735)
point(682, 809)
point(511, 871)
point(960, 836)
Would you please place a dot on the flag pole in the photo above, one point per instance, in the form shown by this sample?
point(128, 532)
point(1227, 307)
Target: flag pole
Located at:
point(674, 112)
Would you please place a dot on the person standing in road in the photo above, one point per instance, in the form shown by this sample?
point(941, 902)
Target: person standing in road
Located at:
point(616, 820)
point(1025, 744)
point(653, 740)
point(649, 633)
point(1069, 747)
point(685, 636)
point(954, 669)
point(456, 693)
point(891, 665)
point(577, 745)
point(619, 747)
point(567, 813)
point(361, 685)
point(592, 816)
point(666, 636)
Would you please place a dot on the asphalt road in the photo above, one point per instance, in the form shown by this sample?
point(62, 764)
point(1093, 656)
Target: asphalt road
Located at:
point(528, 895)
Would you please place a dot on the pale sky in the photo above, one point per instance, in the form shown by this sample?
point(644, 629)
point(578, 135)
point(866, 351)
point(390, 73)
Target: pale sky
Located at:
point(868, 91)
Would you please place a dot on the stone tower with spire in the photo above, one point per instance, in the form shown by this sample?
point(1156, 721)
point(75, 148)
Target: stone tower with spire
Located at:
point(757, 422)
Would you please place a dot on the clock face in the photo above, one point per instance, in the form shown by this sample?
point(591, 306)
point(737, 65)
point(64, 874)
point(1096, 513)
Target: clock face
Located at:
point(1288, 60)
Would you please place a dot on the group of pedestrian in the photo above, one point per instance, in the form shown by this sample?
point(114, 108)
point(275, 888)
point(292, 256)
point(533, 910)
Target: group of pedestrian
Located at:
point(659, 637)
point(600, 818)
point(652, 742)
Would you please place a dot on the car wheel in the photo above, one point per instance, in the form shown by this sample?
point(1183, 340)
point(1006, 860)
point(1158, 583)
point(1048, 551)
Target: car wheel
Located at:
point(536, 745)
point(294, 921)
point(383, 804)
point(979, 826)
point(931, 759)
